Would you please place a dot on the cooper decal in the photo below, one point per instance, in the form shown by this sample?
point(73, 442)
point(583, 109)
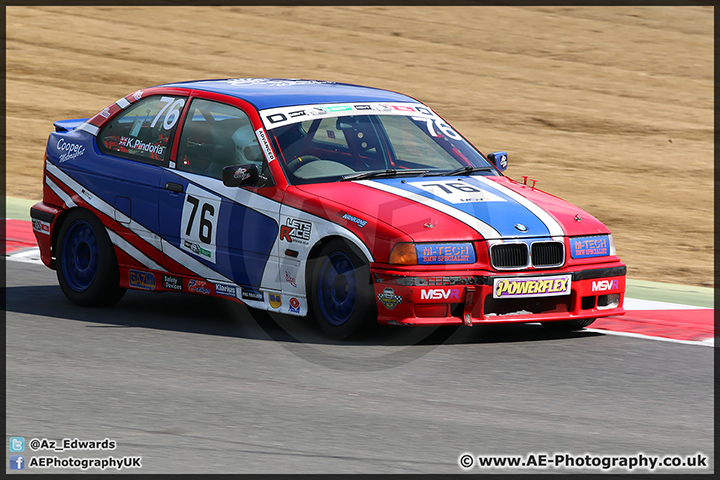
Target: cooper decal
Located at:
point(389, 299)
point(70, 150)
point(143, 280)
point(519, 287)
point(296, 230)
point(172, 282)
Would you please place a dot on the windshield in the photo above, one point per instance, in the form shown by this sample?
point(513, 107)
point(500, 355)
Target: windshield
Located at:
point(354, 145)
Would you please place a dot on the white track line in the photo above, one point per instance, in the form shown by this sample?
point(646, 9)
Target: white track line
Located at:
point(708, 342)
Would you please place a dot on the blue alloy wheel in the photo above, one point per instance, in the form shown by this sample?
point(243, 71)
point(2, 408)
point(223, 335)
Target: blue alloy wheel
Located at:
point(340, 292)
point(80, 253)
point(337, 288)
point(87, 267)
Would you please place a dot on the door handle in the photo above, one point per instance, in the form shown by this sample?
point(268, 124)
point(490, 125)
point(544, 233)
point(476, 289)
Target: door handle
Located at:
point(175, 187)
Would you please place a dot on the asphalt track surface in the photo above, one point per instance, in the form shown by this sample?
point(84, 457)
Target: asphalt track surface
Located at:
point(200, 385)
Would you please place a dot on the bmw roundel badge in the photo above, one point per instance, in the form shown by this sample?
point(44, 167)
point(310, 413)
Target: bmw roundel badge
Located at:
point(521, 227)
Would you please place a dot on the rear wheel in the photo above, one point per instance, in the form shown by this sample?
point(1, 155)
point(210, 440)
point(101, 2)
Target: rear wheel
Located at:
point(340, 290)
point(568, 325)
point(87, 268)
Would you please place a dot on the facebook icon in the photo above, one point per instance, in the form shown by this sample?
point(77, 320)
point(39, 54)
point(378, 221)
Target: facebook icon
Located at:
point(17, 462)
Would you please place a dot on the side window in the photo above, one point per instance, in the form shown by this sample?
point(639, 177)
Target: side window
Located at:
point(216, 135)
point(143, 131)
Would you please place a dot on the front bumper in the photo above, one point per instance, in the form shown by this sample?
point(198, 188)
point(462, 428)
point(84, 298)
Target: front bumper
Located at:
point(455, 297)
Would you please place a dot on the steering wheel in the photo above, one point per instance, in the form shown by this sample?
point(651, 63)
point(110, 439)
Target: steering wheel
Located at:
point(298, 162)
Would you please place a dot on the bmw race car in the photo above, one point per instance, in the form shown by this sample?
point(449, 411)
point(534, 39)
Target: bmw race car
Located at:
point(349, 204)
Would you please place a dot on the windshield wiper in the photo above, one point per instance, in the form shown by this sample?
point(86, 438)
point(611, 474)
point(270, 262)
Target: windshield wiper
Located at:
point(460, 171)
point(383, 173)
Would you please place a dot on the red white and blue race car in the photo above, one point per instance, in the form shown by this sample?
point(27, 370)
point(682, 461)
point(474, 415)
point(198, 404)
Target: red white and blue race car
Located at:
point(350, 204)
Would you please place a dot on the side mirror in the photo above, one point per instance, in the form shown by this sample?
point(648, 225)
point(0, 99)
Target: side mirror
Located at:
point(500, 159)
point(240, 175)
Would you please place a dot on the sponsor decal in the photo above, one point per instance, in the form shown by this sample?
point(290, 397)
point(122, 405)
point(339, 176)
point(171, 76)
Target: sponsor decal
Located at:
point(440, 294)
point(198, 223)
point(143, 280)
point(403, 108)
point(86, 195)
point(40, 226)
point(389, 299)
point(138, 95)
point(105, 113)
point(296, 230)
point(196, 249)
point(69, 150)
point(290, 279)
point(279, 116)
point(138, 144)
point(198, 286)
point(444, 253)
point(585, 247)
point(241, 173)
point(273, 82)
point(338, 108)
point(605, 285)
point(531, 286)
point(247, 294)
point(330, 133)
point(275, 300)
point(294, 305)
point(456, 191)
point(269, 155)
point(227, 290)
point(172, 282)
point(359, 222)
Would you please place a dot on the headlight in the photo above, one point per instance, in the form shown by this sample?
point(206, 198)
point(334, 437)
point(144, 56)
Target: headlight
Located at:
point(592, 246)
point(432, 253)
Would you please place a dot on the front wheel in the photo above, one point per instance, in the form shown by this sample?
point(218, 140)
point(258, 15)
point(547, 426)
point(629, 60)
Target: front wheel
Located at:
point(87, 268)
point(568, 325)
point(340, 290)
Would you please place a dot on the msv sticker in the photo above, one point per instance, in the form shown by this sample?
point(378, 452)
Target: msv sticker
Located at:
point(519, 287)
point(443, 253)
point(585, 247)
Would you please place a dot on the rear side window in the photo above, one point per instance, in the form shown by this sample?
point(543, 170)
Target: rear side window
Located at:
point(144, 131)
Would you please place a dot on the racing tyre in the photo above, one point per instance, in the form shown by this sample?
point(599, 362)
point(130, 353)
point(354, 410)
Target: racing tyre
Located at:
point(340, 292)
point(87, 268)
point(568, 325)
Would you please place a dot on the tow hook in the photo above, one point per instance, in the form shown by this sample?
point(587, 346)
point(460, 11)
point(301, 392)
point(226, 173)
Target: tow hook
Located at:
point(469, 296)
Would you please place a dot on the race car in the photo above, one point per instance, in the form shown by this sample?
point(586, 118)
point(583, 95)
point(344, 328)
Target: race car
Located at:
point(349, 204)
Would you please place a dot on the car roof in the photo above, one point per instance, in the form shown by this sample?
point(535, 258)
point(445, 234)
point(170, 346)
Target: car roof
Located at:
point(281, 92)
